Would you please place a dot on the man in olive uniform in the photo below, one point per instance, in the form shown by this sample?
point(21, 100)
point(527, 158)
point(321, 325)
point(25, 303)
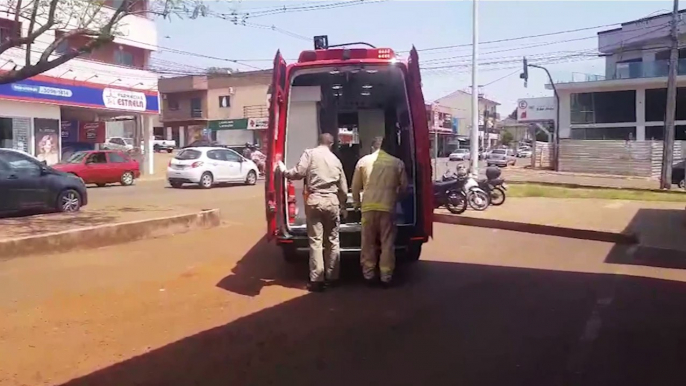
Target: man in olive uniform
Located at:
point(382, 179)
point(327, 190)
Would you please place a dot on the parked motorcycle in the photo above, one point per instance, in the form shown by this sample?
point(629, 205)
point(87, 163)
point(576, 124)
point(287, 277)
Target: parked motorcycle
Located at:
point(449, 194)
point(476, 197)
point(494, 186)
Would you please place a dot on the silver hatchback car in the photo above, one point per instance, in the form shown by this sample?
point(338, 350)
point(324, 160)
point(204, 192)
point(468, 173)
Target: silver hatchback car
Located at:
point(501, 157)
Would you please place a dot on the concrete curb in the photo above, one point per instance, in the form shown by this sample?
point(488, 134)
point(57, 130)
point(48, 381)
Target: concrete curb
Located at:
point(587, 186)
point(548, 230)
point(111, 234)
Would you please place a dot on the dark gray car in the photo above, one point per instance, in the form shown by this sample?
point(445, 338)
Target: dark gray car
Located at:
point(27, 184)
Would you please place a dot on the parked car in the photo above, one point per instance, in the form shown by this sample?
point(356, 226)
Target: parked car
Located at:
point(28, 184)
point(118, 143)
point(102, 167)
point(459, 155)
point(203, 143)
point(159, 144)
point(679, 174)
point(501, 157)
point(524, 153)
point(207, 166)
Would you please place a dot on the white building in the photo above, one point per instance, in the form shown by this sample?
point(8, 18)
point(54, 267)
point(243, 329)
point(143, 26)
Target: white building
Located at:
point(628, 102)
point(75, 105)
point(456, 107)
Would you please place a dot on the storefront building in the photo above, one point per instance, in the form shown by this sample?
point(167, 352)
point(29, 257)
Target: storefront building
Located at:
point(443, 130)
point(50, 117)
point(109, 92)
point(228, 108)
point(236, 132)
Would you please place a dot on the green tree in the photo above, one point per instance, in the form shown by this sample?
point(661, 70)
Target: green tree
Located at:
point(92, 21)
point(506, 138)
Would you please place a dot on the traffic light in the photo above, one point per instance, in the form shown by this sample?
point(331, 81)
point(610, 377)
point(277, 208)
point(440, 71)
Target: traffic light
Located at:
point(525, 73)
point(321, 42)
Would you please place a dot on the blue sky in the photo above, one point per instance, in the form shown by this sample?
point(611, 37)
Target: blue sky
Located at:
point(401, 24)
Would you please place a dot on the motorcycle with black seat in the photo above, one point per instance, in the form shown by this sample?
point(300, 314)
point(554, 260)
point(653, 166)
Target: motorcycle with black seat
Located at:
point(494, 186)
point(449, 192)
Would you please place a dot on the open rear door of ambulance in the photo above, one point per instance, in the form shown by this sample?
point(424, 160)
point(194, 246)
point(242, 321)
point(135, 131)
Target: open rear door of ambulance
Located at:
point(421, 140)
point(274, 183)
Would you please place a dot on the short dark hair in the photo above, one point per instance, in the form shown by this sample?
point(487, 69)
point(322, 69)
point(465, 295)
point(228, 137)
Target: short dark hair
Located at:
point(376, 143)
point(326, 139)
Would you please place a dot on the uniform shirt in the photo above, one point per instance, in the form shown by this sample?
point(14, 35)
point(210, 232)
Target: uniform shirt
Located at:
point(382, 178)
point(323, 174)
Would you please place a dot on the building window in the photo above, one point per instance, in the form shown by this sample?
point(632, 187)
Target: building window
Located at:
point(656, 104)
point(123, 58)
point(657, 133)
point(225, 101)
point(172, 104)
point(607, 133)
point(62, 47)
point(603, 107)
point(196, 108)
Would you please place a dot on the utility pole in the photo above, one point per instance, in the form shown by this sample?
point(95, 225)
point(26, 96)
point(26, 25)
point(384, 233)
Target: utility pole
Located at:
point(474, 141)
point(668, 149)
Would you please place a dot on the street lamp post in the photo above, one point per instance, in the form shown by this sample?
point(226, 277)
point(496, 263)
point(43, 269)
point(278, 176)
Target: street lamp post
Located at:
point(474, 140)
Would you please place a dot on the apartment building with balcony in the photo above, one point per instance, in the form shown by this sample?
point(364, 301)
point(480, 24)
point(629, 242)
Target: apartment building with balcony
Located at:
point(228, 108)
point(450, 121)
point(613, 123)
point(75, 106)
point(628, 101)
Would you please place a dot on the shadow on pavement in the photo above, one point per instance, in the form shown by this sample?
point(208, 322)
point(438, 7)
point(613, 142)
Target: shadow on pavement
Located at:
point(449, 324)
point(263, 266)
point(662, 240)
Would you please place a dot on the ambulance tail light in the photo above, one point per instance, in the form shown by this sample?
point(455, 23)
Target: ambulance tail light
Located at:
point(292, 207)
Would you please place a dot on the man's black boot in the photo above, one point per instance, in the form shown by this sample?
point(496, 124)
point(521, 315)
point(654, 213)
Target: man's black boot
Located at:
point(316, 286)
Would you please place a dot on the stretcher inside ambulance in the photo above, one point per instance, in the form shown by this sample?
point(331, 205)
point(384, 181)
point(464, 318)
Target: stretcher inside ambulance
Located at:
point(355, 100)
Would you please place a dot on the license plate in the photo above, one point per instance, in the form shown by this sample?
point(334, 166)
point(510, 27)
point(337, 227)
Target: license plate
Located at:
point(178, 167)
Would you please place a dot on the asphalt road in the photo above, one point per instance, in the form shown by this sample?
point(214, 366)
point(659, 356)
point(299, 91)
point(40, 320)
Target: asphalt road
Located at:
point(220, 307)
point(228, 198)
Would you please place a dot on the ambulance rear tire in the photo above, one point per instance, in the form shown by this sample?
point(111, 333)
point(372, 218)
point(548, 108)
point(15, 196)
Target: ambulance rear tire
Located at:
point(413, 253)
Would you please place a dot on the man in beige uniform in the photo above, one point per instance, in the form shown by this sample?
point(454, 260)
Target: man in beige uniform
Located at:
point(382, 178)
point(327, 191)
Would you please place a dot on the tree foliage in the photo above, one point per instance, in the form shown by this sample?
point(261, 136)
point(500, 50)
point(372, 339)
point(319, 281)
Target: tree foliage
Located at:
point(36, 21)
point(506, 138)
point(221, 71)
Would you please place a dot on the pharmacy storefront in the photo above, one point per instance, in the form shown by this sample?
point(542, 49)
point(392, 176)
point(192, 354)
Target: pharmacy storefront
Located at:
point(32, 113)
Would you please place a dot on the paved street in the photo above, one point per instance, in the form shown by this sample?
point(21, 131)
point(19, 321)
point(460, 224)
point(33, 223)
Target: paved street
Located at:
point(219, 307)
point(521, 172)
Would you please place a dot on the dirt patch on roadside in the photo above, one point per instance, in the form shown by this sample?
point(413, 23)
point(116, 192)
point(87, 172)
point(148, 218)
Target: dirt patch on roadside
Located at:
point(36, 224)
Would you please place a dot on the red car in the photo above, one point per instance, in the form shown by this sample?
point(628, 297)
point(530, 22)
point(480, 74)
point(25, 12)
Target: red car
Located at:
point(101, 167)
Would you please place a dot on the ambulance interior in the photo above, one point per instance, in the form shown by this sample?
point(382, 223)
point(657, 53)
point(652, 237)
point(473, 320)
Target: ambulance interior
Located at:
point(355, 104)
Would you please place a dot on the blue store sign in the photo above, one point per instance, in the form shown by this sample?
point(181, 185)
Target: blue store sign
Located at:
point(81, 95)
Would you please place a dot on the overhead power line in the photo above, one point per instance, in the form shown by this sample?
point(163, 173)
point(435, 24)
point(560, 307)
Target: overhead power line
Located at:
point(248, 14)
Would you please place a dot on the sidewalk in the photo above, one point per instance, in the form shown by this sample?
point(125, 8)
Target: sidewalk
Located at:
point(25, 226)
point(656, 224)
